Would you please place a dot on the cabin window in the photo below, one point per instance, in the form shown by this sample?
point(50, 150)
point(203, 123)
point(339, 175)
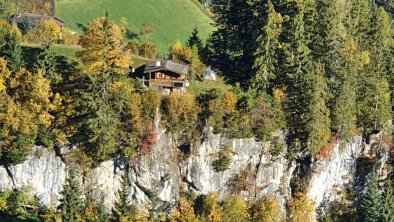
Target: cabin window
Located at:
point(160, 75)
point(178, 84)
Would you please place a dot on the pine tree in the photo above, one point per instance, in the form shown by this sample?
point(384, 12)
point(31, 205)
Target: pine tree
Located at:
point(71, 202)
point(266, 54)
point(100, 94)
point(194, 39)
point(13, 54)
point(370, 206)
point(233, 44)
point(374, 104)
point(123, 205)
point(388, 206)
point(46, 61)
point(294, 67)
point(318, 123)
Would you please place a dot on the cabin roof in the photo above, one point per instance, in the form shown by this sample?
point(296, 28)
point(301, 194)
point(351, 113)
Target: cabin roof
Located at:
point(32, 17)
point(164, 65)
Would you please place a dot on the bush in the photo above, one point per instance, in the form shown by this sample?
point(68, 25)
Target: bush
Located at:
point(300, 207)
point(277, 148)
point(221, 164)
point(148, 49)
point(234, 208)
point(224, 159)
point(150, 102)
point(179, 112)
point(265, 210)
point(134, 47)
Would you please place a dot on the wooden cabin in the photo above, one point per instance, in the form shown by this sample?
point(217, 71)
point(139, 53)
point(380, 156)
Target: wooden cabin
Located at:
point(164, 76)
point(34, 19)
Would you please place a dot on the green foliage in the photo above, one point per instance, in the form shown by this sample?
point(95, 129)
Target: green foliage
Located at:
point(318, 123)
point(388, 200)
point(223, 161)
point(194, 40)
point(13, 53)
point(46, 62)
point(277, 148)
point(122, 204)
point(266, 117)
point(14, 202)
point(71, 202)
point(267, 50)
point(20, 148)
point(370, 205)
point(150, 103)
point(172, 19)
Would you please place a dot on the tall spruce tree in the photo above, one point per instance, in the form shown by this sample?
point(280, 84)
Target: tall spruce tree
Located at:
point(374, 103)
point(233, 44)
point(370, 205)
point(388, 203)
point(71, 202)
point(195, 39)
point(266, 55)
point(46, 61)
point(13, 53)
point(294, 68)
point(99, 103)
point(318, 115)
point(123, 205)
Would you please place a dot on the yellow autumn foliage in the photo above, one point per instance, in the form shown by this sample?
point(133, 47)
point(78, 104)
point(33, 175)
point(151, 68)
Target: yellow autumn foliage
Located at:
point(234, 208)
point(46, 32)
point(102, 48)
point(301, 208)
point(184, 212)
point(266, 210)
point(27, 104)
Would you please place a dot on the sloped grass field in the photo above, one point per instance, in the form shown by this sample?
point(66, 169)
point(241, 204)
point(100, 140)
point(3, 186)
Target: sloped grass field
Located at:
point(171, 19)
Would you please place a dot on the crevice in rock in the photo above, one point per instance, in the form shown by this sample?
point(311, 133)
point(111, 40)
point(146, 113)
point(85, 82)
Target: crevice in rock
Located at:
point(301, 175)
point(58, 153)
point(9, 173)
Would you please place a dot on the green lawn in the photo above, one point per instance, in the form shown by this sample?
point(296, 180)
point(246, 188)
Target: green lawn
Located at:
point(171, 19)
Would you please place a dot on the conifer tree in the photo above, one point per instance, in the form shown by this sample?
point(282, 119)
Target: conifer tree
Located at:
point(318, 123)
point(46, 61)
point(294, 67)
point(374, 106)
point(195, 39)
point(123, 205)
point(388, 206)
point(370, 206)
point(71, 202)
point(13, 54)
point(99, 95)
point(266, 54)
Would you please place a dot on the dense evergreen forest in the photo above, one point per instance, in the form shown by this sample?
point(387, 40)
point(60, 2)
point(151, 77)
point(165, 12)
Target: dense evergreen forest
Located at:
point(321, 70)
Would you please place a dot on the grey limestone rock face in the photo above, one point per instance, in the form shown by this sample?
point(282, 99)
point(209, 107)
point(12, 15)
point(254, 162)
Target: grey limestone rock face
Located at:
point(43, 172)
point(166, 170)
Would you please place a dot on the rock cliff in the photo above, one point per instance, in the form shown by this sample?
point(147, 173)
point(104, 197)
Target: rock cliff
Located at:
point(253, 171)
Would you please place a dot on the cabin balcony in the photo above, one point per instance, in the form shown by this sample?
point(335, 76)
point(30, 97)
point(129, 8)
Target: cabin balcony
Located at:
point(167, 83)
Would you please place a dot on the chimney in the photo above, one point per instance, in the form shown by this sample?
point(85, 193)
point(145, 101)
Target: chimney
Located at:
point(158, 63)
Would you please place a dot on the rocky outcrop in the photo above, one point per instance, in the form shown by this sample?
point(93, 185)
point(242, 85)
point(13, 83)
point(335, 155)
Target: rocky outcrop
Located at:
point(43, 172)
point(161, 174)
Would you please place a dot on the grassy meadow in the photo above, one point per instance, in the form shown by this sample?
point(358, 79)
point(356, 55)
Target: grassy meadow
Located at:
point(171, 19)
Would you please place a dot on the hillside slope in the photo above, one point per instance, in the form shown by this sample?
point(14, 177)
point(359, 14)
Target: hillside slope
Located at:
point(171, 19)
